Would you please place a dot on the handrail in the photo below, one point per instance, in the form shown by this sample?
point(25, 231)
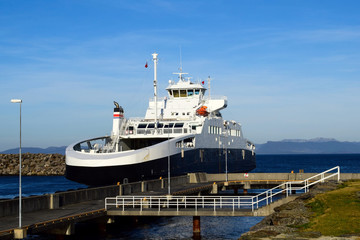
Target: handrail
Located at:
point(288, 187)
point(159, 202)
point(217, 202)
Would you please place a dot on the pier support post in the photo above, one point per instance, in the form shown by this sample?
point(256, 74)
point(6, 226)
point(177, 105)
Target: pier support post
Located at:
point(162, 183)
point(120, 190)
point(70, 230)
point(196, 227)
point(54, 201)
point(20, 233)
point(66, 229)
point(143, 186)
point(215, 189)
point(247, 186)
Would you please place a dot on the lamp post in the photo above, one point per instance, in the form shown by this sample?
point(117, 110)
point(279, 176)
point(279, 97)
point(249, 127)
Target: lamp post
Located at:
point(169, 191)
point(19, 101)
point(225, 146)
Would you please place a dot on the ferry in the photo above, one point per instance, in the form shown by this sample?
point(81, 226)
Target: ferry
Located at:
point(181, 133)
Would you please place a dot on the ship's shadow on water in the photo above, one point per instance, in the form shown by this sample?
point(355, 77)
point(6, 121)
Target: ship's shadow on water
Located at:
point(160, 228)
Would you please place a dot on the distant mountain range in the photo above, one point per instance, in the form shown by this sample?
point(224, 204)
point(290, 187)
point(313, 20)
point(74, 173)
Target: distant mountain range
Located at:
point(311, 146)
point(286, 146)
point(49, 150)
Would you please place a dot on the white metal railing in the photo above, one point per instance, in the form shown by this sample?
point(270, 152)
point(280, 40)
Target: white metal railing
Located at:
point(289, 187)
point(178, 202)
point(217, 202)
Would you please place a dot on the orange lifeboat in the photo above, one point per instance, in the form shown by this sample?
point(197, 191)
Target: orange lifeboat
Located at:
point(202, 111)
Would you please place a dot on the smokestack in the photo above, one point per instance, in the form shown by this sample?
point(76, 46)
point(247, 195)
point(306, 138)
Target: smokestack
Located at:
point(117, 120)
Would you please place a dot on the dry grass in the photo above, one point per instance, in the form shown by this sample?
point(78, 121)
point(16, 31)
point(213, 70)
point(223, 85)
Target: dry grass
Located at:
point(337, 212)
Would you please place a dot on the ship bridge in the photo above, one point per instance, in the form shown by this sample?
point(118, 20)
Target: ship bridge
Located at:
point(185, 101)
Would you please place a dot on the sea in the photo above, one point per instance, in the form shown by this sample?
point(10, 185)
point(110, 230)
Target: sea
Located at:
point(181, 227)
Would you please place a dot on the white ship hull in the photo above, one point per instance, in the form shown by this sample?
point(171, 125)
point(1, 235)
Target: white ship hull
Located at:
point(152, 163)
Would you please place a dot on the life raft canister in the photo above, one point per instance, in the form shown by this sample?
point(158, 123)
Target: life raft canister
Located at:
point(202, 111)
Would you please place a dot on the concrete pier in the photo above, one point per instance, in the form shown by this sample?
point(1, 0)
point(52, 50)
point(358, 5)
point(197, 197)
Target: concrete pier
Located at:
point(60, 211)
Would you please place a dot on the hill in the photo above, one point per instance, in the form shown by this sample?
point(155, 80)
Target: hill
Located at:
point(312, 146)
point(49, 150)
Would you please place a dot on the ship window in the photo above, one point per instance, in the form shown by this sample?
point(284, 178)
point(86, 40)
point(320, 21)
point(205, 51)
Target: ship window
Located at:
point(182, 93)
point(168, 125)
point(188, 114)
point(160, 125)
point(151, 125)
point(130, 130)
point(183, 114)
point(190, 92)
point(176, 93)
point(170, 92)
point(197, 91)
point(179, 125)
point(142, 126)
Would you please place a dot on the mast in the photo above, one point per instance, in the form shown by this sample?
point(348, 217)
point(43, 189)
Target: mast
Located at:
point(155, 85)
point(209, 85)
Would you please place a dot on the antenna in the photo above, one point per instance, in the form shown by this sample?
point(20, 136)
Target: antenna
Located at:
point(180, 73)
point(209, 80)
point(155, 59)
point(180, 61)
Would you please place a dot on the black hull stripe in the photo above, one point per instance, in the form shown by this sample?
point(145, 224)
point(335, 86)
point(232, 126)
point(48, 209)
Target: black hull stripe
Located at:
point(197, 160)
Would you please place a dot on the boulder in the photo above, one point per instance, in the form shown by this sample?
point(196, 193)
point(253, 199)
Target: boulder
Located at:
point(32, 164)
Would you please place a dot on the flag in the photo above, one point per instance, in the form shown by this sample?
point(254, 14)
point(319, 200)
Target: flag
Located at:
point(146, 65)
point(202, 82)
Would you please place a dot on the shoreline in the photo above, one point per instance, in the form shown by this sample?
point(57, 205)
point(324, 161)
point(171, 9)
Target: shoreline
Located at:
point(292, 220)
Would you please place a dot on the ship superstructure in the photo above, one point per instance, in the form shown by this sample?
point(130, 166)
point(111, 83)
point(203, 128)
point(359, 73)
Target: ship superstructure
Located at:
point(185, 129)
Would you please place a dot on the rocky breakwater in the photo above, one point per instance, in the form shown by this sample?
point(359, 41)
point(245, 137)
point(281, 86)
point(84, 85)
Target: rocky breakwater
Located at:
point(33, 164)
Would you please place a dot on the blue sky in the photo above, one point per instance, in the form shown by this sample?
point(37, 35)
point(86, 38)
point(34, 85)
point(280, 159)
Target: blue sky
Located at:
point(290, 69)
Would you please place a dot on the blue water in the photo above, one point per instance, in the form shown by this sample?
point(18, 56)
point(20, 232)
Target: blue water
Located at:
point(35, 185)
point(181, 227)
point(316, 163)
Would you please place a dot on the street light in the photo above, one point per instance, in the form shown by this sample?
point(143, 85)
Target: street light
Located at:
point(19, 101)
point(225, 146)
point(169, 191)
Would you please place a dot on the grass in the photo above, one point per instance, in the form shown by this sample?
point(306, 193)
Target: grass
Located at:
point(337, 212)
